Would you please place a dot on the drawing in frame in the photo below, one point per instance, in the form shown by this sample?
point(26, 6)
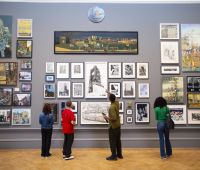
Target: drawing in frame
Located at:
point(115, 88)
point(54, 111)
point(128, 89)
point(129, 111)
point(8, 73)
point(142, 70)
point(6, 36)
point(62, 70)
point(75, 106)
point(24, 48)
point(26, 64)
point(25, 76)
point(24, 28)
point(172, 89)
point(193, 83)
point(193, 100)
point(21, 116)
point(190, 44)
point(143, 90)
point(169, 52)
point(114, 70)
point(49, 91)
point(170, 69)
point(121, 119)
point(77, 90)
point(91, 112)
point(95, 79)
point(50, 78)
point(63, 89)
point(95, 42)
point(76, 119)
point(22, 99)
point(178, 113)
point(142, 114)
point(193, 116)
point(128, 70)
point(26, 87)
point(50, 67)
point(6, 94)
point(76, 70)
point(129, 119)
point(169, 31)
point(121, 106)
point(5, 116)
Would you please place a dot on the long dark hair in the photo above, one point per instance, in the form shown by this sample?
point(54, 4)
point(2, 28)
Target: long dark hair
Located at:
point(46, 109)
point(160, 102)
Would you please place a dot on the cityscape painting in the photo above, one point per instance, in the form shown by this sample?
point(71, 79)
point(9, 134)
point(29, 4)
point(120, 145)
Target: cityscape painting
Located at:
point(95, 42)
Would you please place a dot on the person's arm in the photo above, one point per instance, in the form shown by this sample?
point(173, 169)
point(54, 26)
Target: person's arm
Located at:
point(156, 113)
point(40, 120)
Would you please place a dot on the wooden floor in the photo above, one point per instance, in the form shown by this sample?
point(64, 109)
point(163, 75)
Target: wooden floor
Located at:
point(94, 159)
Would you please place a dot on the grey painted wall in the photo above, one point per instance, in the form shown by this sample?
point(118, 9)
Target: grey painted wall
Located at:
point(144, 18)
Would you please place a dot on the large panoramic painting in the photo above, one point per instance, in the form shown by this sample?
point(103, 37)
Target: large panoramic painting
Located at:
point(95, 42)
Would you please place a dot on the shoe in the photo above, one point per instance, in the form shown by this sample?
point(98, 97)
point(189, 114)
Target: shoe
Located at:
point(168, 156)
point(69, 158)
point(49, 154)
point(120, 156)
point(111, 158)
point(64, 156)
point(42, 155)
point(164, 157)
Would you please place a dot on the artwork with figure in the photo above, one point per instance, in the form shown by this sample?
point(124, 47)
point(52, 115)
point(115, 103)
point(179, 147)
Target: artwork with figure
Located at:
point(114, 88)
point(142, 70)
point(193, 116)
point(21, 116)
point(178, 113)
point(49, 90)
point(5, 96)
point(63, 89)
point(114, 70)
point(95, 79)
point(5, 116)
point(5, 36)
point(128, 70)
point(142, 112)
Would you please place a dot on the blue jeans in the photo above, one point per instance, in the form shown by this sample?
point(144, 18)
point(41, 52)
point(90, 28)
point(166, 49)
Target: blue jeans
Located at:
point(163, 133)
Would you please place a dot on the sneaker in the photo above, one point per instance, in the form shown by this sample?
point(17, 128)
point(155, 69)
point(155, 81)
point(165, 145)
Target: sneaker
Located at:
point(120, 156)
point(111, 158)
point(164, 157)
point(69, 158)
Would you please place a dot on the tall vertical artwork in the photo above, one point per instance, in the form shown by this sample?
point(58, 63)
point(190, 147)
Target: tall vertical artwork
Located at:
point(5, 36)
point(190, 46)
point(95, 79)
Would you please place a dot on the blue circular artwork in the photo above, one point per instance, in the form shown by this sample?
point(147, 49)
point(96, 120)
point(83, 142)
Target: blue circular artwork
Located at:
point(96, 14)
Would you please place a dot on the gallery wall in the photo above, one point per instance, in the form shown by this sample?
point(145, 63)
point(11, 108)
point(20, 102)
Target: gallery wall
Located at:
point(142, 18)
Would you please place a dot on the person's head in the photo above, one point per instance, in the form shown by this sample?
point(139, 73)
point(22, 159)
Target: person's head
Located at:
point(112, 97)
point(69, 104)
point(160, 102)
point(46, 108)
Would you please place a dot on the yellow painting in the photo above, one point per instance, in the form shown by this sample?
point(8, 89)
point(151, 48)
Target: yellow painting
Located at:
point(24, 28)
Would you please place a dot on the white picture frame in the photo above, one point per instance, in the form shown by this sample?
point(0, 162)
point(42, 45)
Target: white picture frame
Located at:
point(121, 119)
point(114, 70)
point(170, 70)
point(50, 67)
point(63, 89)
point(121, 106)
point(178, 113)
point(49, 91)
point(62, 70)
point(142, 112)
point(24, 28)
point(129, 119)
point(77, 90)
point(128, 90)
point(143, 90)
point(169, 31)
point(142, 70)
point(76, 70)
point(76, 119)
point(115, 88)
point(129, 111)
point(75, 106)
point(194, 116)
point(128, 70)
point(21, 116)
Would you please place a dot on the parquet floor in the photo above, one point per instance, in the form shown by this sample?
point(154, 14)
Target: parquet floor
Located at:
point(94, 159)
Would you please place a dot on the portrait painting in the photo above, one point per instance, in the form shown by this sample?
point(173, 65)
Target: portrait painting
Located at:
point(142, 112)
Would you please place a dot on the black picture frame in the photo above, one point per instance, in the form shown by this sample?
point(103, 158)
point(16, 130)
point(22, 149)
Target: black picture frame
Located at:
point(22, 99)
point(6, 94)
point(26, 87)
point(25, 76)
point(193, 83)
point(24, 48)
point(142, 112)
point(50, 78)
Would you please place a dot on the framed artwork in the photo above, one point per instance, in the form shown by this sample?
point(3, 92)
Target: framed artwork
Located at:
point(115, 88)
point(95, 79)
point(142, 70)
point(5, 116)
point(49, 67)
point(77, 90)
point(26, 64)
point(129, 119)
point(172, 89)
point(50, 78)
point(76, 70)
point(24, 48)
point(169, 31)
point(193, 116)
point(24, 28)
point(6, 36)
point(190, 44)
point(114, 70)
point(121, 119)
point(143, 90)
point(121, 106)
point(193, 84)
point(26, 87)
point(128, 70)
point(95, 42)
point(49, 91)
point(142, 110)
point(62, 70)
point(170, 70)
point(25, 76)
point(6, 94)
point(91, 112)
point(54, 111)
point(63, 89)
point(8, 73)
point(74, 106)
point(21, 99)
point(76, 119)
point(21, 116)
point(128, 89)
point(129, 111)
point(169, 52)
point(193, 100)
point(178, 113)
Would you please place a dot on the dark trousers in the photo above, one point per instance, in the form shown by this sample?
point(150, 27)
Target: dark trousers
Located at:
point(115, 141)
point(67, 145)
point(46, 141)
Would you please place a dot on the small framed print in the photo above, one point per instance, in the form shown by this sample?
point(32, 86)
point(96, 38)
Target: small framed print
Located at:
point(74, 106)
point(26, 87)
point(22, 99)
point(6, 95)
point(128, 89)
point(77, 90)
point(169, 31)
point(24, 48)
point(142, 112)
point(49, 67)
point(63, 89)
point(121, 106)
point(129, 111)
point(24, 28)
point(170, 70)
point(142, 70)
point(178, 113)
point(193, 116)
point(76, 119)
point(128, 70)
point(115, 88)
point(62, 70)
point(21, 116)
point(143, 90)
point(54, 111)
point(193, 100)
point(193, 84)
point(25, 76)
point(129, 119)
point(49, 78)
point(121, 119)
point(26, 64)
point(114, 70)
point(49, 91)
point(5, 116)
point(76, 70)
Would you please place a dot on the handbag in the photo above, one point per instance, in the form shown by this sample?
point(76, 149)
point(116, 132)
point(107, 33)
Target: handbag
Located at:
point(170, 122)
